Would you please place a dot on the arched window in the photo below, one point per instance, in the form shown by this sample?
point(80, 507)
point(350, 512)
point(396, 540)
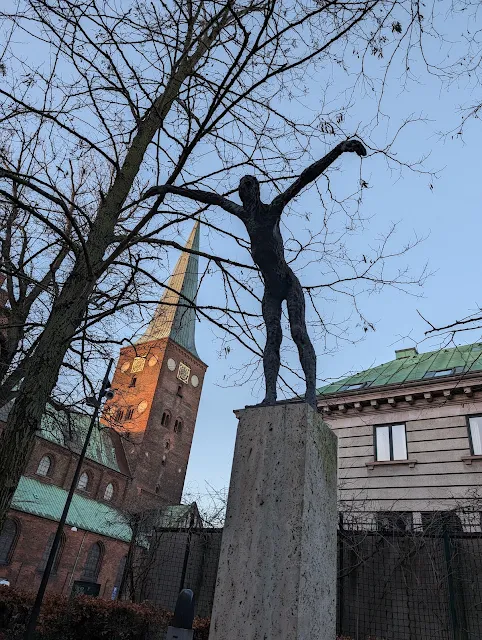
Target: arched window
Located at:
point(44, 466)
point(439, 521)
point(93, 562)
point(119, 414)
point(46, 553)
point(166, 419)
point(3, 348)
point(8, 538)
point(178, 426)
point(130, 413)
point(120, 574)
point(109, 491)
point(83, 481)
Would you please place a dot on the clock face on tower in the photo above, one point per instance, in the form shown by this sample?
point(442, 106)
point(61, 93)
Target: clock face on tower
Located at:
point(183, 372)
point(138, 364)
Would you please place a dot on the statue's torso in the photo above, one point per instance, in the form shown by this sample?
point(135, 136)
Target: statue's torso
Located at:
point(267, 247)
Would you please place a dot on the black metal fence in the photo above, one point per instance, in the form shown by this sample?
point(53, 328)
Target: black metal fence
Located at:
point(401, 576)
point(182, 558)
point(400, 579)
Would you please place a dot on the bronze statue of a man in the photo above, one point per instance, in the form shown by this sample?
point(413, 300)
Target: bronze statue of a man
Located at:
point(280, 283)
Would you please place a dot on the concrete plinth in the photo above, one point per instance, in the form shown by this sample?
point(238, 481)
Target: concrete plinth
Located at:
point(277, 569)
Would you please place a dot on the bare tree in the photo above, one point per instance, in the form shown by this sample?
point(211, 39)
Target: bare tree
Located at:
point(100, 100)
point(211, 503)
point(471, 322)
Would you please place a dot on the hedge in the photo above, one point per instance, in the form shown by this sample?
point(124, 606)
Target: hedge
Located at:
point(84, 617)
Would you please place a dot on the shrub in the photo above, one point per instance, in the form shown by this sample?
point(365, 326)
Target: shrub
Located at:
point(83, 617)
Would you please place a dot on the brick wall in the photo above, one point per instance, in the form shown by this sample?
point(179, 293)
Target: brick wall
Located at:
point(33, 535)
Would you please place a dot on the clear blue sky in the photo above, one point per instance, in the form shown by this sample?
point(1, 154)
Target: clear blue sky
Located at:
point(450, 215)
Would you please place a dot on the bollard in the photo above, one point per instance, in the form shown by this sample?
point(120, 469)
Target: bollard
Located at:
point(181, 628)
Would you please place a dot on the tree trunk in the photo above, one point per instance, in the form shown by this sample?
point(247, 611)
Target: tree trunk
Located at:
point(40, 376)
point(42, 369)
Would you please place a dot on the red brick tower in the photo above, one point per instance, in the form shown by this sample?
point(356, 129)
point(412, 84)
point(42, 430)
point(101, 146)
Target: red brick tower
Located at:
point(158, 384)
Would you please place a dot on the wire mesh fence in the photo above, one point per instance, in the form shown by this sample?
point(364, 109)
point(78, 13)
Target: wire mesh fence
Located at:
point(401, 576)
point(404, 576)
point(179, 559)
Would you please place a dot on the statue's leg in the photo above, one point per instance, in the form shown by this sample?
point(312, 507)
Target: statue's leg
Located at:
point(296, 314)
point(271, 308)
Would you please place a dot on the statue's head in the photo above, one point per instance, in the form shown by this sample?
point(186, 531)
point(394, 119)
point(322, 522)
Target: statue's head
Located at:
point(249, 190)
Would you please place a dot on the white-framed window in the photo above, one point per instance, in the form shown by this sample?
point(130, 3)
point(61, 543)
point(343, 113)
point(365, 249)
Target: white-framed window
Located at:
point(109, 491)
point(83, 482)
point(44, 466)
point(475, 432)
point(390, 442)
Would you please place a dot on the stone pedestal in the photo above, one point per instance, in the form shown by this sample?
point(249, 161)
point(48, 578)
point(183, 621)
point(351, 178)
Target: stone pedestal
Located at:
point(277, 569)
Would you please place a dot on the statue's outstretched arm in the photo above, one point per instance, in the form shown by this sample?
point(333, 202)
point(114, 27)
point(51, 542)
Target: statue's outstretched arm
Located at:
point(314, 171)
point(206, 197)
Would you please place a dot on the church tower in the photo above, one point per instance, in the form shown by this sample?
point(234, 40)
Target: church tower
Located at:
point(158, 382)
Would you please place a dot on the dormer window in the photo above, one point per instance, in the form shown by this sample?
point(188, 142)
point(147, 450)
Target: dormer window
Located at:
point(444, 372)
point(355, 386)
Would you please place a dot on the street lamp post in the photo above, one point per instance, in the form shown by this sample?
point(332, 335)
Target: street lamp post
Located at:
point(96, 402)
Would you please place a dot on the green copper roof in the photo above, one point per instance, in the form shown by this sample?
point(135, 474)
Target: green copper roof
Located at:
point(174, 317)
point(69, 430)
point(47, 501)
point(410, 366)
point(178, 515)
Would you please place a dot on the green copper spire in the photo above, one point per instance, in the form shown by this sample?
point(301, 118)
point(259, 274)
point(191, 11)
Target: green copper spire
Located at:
point(174, 317)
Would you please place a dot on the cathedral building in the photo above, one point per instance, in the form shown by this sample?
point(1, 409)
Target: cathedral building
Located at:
point(137, 457)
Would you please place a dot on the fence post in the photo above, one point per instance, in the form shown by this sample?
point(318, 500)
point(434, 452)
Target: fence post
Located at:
point(340, 594)
point(459, 633)
point(187, 552)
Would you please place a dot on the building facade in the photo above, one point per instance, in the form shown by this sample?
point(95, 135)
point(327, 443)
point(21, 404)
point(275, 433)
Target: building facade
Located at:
point(410, 435)
point(136, 460)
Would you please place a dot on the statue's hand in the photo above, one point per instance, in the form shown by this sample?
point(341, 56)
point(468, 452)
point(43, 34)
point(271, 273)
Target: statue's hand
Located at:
point(354, 146)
